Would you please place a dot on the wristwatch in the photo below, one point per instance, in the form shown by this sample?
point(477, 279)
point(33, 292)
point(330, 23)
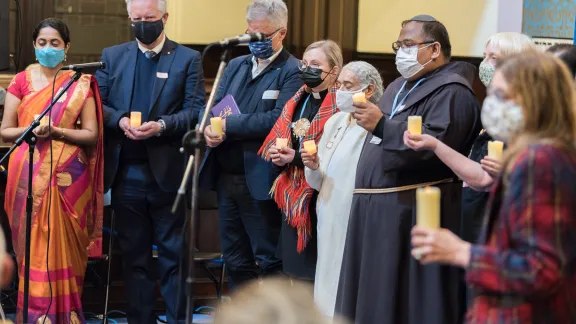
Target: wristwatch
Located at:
point(162, 127)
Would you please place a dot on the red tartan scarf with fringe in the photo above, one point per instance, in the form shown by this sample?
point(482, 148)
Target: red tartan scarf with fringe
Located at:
point(290, 190)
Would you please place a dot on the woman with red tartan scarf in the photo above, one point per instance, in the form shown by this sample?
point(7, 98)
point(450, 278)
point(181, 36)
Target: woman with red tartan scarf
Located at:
point(302, 119)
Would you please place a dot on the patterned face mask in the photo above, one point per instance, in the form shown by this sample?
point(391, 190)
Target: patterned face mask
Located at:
point(501, 119)
point(486, 72)
point(262, 49)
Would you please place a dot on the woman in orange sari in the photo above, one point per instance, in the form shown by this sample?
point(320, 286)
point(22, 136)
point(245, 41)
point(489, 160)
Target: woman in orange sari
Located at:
point(67, 179)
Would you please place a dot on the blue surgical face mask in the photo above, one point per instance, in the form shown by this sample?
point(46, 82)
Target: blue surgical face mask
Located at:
point(262, 49)
point(49, 56)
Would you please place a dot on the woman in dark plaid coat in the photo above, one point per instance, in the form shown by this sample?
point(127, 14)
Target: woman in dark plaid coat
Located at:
point(523, 268)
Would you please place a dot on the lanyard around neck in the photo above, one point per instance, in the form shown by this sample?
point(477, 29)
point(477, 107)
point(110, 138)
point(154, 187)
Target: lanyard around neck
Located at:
point(304, 106)
point(396, 105)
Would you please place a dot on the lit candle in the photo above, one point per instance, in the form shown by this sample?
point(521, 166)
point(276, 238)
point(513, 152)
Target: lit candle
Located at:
point(359, 97)
point(281, 142)
point(135, 119)
point(428, 207)
point(310, 147)
point(216, 123)
point(495, 149)
point(415, 125)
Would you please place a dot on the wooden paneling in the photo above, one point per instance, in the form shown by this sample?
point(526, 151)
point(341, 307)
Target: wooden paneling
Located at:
point(309, 21)
point(33, 11)
point(313, 20)
point(5, 80)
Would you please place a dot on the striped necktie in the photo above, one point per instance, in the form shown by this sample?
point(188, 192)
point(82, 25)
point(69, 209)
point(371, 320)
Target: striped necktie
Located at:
point(150, 54)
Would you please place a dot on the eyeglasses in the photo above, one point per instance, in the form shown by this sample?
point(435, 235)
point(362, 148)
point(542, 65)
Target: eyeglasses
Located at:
point(408, 46)
point(266, 36)
point(302, 66)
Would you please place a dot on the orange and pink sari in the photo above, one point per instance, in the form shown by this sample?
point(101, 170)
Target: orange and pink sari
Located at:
point(74, 207)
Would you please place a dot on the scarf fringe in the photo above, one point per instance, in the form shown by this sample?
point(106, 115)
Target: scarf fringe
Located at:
point(293, 196)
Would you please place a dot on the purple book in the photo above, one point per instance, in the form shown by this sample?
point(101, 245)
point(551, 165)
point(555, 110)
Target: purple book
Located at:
point(226, 107)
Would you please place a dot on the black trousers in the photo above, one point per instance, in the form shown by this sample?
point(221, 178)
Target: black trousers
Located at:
point(249, 231)
point(143, 214)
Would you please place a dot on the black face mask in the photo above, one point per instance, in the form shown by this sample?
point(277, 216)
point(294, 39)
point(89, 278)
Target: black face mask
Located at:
point(312, 77)
point(147, 31)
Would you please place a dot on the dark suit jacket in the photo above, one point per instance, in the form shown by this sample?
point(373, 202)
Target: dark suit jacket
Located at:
point(253, 125)
point(176, 99)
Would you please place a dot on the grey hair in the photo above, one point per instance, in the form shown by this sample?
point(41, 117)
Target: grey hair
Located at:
point(162, 6)
point(274, 11)
point(367, 74)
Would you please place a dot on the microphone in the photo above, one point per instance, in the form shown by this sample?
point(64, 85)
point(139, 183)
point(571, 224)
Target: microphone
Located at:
point(80, 67)
point(241, 39)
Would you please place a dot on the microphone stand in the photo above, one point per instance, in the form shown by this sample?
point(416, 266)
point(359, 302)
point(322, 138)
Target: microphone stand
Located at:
point(30, 138)
point(192, 143)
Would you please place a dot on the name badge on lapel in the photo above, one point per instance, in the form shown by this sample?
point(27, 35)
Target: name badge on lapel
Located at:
point(271, 94)
point(375, 140)
point(162, 75)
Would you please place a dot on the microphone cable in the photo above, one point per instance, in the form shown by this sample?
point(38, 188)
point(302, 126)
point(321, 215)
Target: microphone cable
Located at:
point(49, 202)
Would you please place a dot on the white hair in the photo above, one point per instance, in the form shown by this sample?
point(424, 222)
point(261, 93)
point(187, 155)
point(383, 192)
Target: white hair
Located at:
point(367, 74)
point(511, 42)
point(275, 11)
point(162, 5)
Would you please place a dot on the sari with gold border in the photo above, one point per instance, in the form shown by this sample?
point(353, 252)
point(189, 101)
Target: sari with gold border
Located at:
point(67, 198)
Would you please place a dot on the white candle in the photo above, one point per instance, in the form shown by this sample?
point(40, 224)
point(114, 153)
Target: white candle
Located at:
point(281, 142)
point(415, 125)
point(135, 119)
point(216, 124)
point(310, 147)
point(495, 149)
point(428, 207)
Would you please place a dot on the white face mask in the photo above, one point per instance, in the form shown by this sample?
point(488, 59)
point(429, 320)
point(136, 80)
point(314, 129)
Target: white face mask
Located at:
point(344, 99)
point(502, 120)
point(407, 61)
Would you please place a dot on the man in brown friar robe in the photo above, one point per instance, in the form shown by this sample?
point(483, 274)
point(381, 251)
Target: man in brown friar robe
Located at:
point(380, 282)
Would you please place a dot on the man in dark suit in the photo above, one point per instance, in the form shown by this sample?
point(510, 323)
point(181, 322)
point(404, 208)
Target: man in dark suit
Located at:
point(158, 78)
point(261, 84)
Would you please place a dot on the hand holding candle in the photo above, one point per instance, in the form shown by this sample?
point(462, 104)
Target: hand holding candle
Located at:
point(310, 147)
point(216, 124)
point(495, 149)
point(135, 119)
point(415, 125)
point(428, 207)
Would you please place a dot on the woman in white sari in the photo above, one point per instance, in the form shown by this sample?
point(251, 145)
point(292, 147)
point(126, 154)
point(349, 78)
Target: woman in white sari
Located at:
point(332, 172)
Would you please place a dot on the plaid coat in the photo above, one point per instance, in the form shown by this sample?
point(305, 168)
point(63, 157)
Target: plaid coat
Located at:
point(524, 268)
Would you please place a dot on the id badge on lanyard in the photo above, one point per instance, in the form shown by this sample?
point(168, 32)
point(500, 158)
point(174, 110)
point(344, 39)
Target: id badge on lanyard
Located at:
point(397, 105)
